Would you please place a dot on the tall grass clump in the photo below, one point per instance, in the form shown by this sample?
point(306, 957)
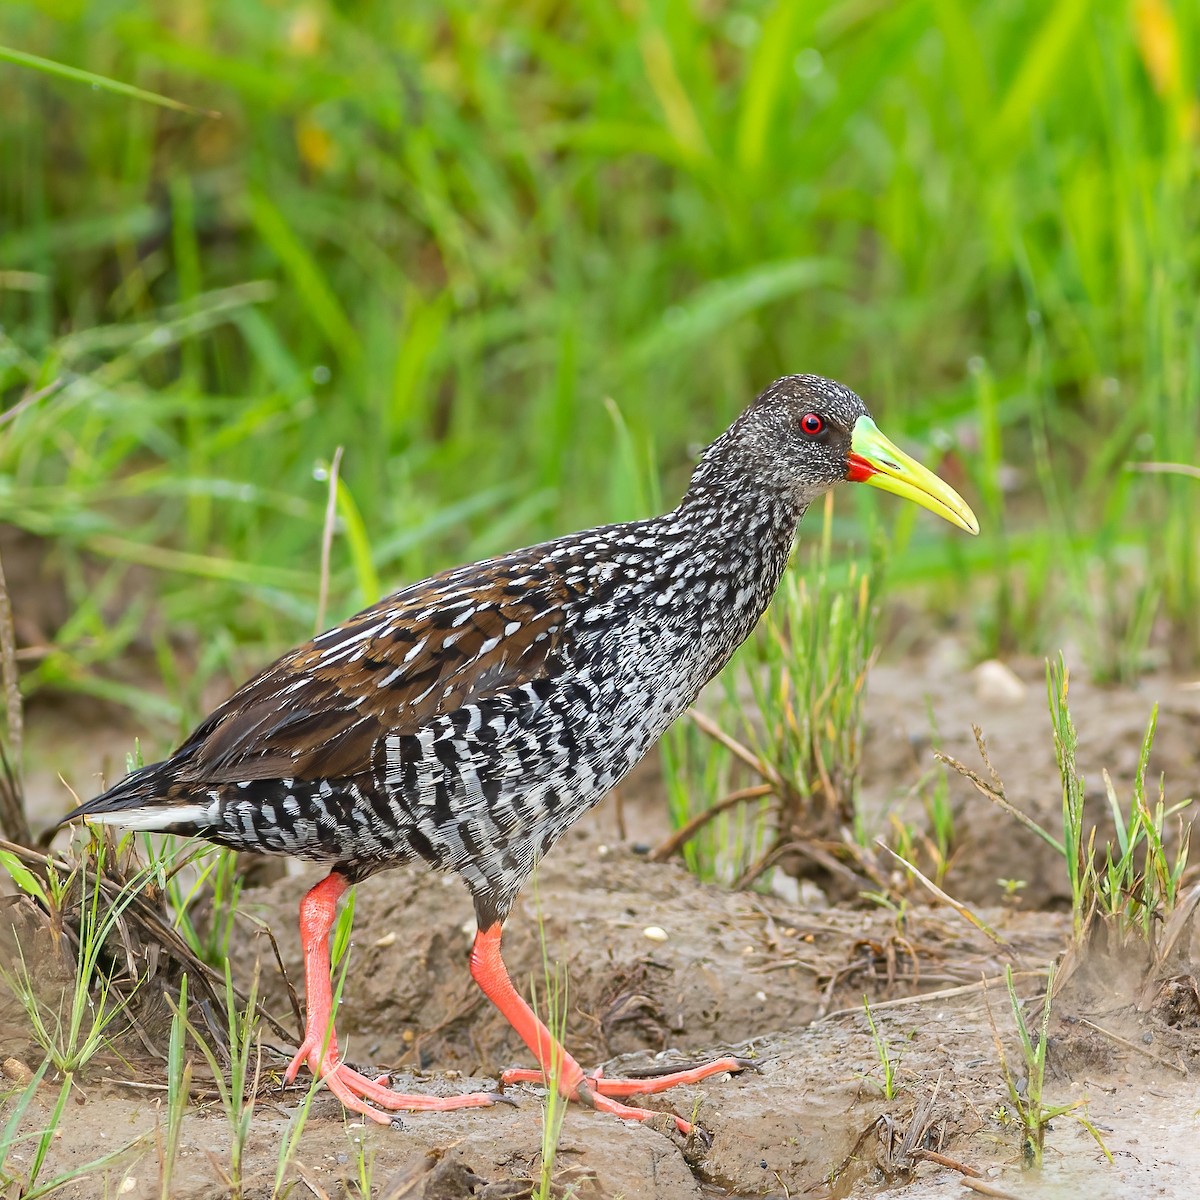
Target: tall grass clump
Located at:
point(72, 1027)
point(1130, 887)
point(1026, 1092)
point(1133, 885)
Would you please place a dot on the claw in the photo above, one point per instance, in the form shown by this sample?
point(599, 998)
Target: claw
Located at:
point(749, 1064)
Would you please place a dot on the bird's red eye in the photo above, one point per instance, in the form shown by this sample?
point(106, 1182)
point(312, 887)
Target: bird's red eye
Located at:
point(812, 424)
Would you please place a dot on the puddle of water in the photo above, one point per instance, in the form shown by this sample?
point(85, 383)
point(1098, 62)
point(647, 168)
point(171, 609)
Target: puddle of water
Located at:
point(1153, 1135)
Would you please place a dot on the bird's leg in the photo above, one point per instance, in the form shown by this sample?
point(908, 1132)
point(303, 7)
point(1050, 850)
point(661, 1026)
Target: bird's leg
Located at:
point(319, 1050)
point(488, 970)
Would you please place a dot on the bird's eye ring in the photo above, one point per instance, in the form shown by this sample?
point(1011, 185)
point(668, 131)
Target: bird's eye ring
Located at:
point(812, 423)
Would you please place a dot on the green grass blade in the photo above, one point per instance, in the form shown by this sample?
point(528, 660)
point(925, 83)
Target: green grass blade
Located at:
point(78, 75)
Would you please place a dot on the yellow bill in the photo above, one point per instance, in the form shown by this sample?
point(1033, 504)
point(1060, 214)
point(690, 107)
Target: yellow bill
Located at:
point(875, 460)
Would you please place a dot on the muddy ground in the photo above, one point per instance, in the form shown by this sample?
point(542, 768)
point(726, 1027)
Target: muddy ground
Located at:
point(776, 980)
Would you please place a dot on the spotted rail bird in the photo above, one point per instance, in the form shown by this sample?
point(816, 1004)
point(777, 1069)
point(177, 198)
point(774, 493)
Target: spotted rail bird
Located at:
point(467, 720)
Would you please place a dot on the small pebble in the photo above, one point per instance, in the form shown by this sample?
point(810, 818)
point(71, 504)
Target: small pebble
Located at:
point(997, 683)
point(17, 1071)
point(655, 933)
point(127, 1185)
point(388, 939)
point(786, 887)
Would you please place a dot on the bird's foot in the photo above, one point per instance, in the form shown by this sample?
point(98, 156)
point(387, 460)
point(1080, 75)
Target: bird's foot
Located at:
point(360, 1094)
point(597, 1092)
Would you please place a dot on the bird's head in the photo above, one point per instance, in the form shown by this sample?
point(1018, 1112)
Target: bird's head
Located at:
point(806, 434)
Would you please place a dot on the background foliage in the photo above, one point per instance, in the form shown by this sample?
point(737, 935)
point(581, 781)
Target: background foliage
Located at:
point(521, 258)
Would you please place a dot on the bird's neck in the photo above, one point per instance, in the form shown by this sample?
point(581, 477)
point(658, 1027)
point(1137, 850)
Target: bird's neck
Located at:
point(742, 533)
point(752, 517)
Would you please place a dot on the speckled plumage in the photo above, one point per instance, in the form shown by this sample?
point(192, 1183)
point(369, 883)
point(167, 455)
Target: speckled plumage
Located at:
point(469, 719)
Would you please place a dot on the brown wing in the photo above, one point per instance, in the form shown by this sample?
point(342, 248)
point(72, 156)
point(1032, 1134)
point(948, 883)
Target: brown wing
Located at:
point(321, 709)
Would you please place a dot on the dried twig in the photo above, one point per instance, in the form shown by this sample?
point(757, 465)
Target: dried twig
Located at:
point(1123, 1041)
point(29, 400)
point(812, 850)
point(763, 769)
point(945, 994)
point(986, 1189)
point(918, 1126)
point(309, 1178)
point(673, 844)
point(960, 908)
point(943, 1160)
point(1174, 929)
point(1164, 468)
point(293, 999)
point(945, 897)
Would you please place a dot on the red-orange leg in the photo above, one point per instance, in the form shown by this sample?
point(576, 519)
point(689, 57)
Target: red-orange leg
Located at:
point(319, 1050)
point(489, 971)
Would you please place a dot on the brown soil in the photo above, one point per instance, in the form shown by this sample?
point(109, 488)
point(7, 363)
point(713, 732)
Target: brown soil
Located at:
point(774, 980)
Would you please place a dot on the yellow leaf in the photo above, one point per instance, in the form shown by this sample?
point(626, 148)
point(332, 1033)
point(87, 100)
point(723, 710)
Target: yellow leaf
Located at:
point(304, 31)
point(1158, 42)
point(315, 145)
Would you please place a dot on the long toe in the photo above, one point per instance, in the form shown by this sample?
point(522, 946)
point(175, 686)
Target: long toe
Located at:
point(627, 1112)
point(353, 1102)
point(343, 1079)
point(307, 1056)
point(660, 1079)
point(521, 1075)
